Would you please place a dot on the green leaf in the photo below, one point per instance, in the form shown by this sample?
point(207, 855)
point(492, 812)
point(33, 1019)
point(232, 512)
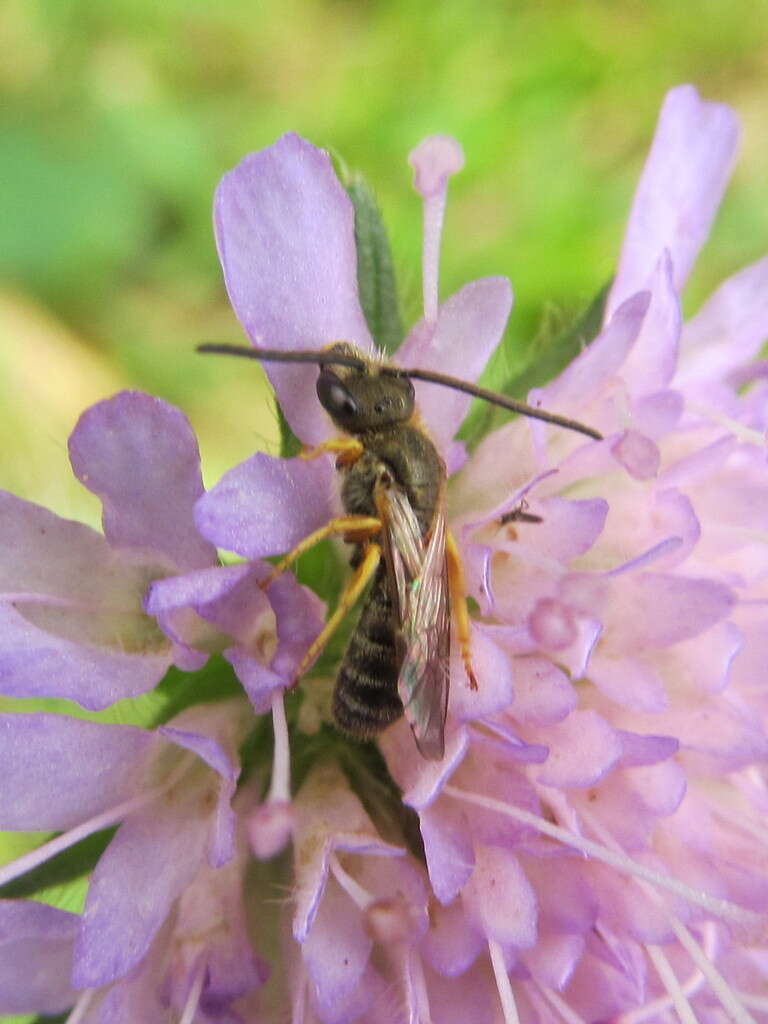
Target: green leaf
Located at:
point(375, 271)
point(50, 881)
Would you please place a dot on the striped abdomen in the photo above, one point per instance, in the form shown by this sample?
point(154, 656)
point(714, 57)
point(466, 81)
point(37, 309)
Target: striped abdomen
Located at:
point(365, 700)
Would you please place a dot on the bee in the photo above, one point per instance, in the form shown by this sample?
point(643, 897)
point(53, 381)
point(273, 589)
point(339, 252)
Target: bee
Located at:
point(393, 489)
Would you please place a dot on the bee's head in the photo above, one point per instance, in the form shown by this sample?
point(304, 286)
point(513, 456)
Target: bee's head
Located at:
point(361, 398)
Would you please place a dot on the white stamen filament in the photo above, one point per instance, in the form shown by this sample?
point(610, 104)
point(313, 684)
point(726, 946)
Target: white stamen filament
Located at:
point(55, 601)
point(81, 1007)
point(670, 981)
point(742, 433)
point(195, 991)
point(112, 816)
point(359, 896)
point(280, 784)
point(299, 1007)
point(714, 904)
point(569, 1016)
point(727, 996)
point(652, 1009)
point(729, 1000)
point(503, 984)
point(416, 989)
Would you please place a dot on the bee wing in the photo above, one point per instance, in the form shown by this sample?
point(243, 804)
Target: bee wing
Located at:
point(420, 586)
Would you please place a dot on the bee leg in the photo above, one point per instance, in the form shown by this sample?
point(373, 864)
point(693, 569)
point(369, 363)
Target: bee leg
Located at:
point(459, 607)
point(352, 527)
point(354, 588)
point(348, 450)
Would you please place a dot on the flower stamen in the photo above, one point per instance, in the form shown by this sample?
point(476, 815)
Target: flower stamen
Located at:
point(81, 1007)
point(195, 991)
point(434, 160)
point(503, 984)
point(714, 904)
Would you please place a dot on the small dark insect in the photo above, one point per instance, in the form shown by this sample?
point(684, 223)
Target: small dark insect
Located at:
point(393, 492)
point(520, 514)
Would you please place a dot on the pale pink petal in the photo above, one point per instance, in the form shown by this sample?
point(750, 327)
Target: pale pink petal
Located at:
point(629, 681)
point(468, 329)
point(448, 849)
point(582, 749)
point(499, 898)
point(600, 360)
point(543, 692)
point(637, 454)
point(452, 944)
point(286, 240)
point(336, 950)
point(679, 191)
point(729, 329)
point(553, 959)
point(652, 362)
point(493, 670)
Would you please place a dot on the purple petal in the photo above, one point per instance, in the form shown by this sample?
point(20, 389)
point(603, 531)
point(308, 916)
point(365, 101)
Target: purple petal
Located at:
point(35, 957)
point(214, 741)
point(154, 856)
point(553, 959)
point(34, 663)
point(730, 327)
point(265, 506)
point(286, 239)
point(582, 749)
point(59, 771)
point(468, 329)
point(70, 607)
point(640, 750)
point(679, 191)
point(140, 456)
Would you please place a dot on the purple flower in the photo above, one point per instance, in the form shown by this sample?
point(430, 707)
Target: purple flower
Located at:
point(591, 847)
point(77, 616)
point(73, 624)
point(592, 837)
point(163, 921)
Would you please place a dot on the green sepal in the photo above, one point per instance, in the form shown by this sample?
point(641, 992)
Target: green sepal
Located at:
point(514, 369)
point(376, 283)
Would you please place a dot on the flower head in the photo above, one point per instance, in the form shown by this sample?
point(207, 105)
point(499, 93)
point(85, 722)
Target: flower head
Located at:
point(591, 846)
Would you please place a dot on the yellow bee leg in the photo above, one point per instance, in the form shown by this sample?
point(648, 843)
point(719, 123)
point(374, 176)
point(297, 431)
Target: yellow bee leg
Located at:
point(357, 583)
point(348, 450)
point(459, 605)
point(353, 528)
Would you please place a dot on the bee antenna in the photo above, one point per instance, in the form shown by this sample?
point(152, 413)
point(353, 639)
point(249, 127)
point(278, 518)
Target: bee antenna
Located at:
point(432, 377)
point(316, 356)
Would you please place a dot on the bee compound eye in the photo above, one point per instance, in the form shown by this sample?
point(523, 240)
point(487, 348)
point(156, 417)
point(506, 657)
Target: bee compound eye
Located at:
point(334, 396)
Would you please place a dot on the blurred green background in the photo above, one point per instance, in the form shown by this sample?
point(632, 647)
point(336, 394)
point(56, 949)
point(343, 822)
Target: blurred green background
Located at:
point(118, 118)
